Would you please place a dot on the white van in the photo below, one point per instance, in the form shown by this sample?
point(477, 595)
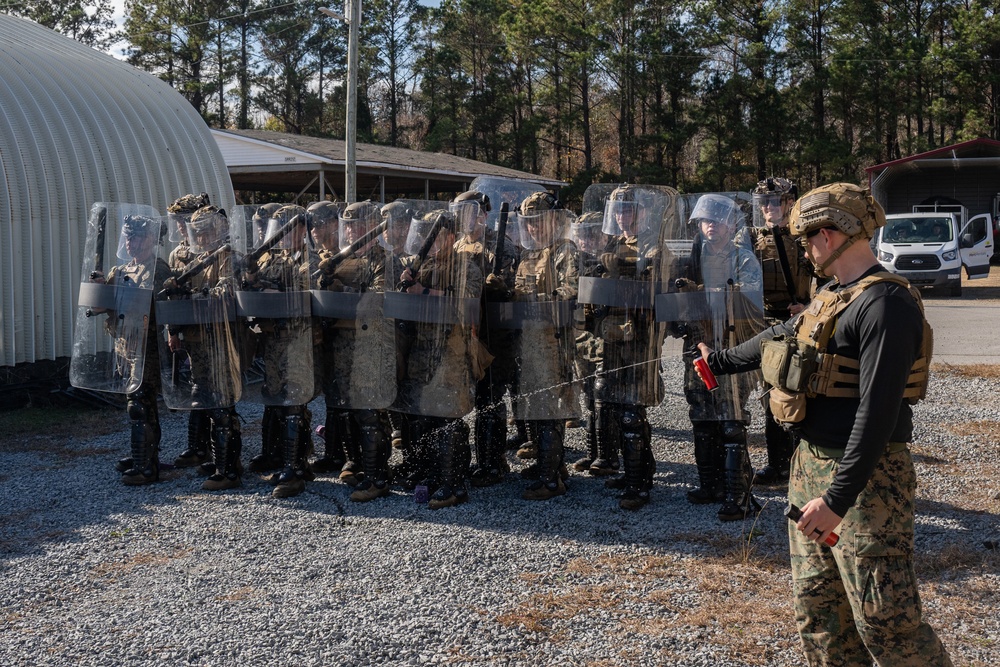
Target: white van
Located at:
point(930, 248)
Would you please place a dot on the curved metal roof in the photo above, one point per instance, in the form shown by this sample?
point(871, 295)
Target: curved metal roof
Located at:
point(78, 126)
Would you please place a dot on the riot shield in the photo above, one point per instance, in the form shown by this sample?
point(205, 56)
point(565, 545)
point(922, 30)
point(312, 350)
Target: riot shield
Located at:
point(272, 294)
point(122, 267)
point(541, 311)
point(619, 289)
point(359, 342)
point(718, 300)
point(199, 350)
point(500, 191)
point(435, 302)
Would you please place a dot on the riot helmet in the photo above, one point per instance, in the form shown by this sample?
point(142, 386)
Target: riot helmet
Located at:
point(207, 229)
point(541, 221)
point(421, 228)
point(139, 237)
point(325, 215)
point(357, 220)
point(284, 215)
point(470, 209)
point(717, 218)
point(588, 234)
point(261, 219)
point(621, 211)
point(179, 213)
point(396, 216)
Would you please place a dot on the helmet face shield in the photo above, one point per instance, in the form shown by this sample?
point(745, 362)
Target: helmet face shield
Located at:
point(621, 217)
point(542, 229)
point(207, 230)
point(352, 230)
point(588, 234)
point(139, 237)
point(467, 214)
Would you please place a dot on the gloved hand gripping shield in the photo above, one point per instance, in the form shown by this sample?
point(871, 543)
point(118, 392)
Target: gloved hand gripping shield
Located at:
point(359, 344)
point(621, 288)
point(272, 294)
point(122, 267)
point(716, 298)
point(199, 349)
point(435, 302)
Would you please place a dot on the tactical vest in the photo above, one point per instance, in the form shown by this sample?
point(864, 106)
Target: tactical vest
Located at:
point(800, 367)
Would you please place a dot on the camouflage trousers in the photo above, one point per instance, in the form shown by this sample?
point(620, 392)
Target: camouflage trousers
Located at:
point(858, 601)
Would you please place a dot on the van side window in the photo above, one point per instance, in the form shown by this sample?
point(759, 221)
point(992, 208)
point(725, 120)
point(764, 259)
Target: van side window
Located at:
point(978, 230)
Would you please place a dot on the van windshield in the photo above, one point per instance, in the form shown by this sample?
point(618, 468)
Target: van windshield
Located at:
point(918, 230)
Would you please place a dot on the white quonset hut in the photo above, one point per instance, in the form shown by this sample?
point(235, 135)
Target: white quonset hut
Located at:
point(77, 127)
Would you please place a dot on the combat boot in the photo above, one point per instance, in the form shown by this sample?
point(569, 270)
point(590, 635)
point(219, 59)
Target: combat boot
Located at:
point(375, 449)
point(491, 464)
point(607, 431)
point(739, 502)
point(291, 482)
point(228, 444)
point(454, 454)
point(519, 436)
point(707, 446)
point(549, 435)
point(638, 479)
point(199, 449)
point(145, 441)
point(779, 454)
point(353, 470)
point(334, 433)
point(272, 428)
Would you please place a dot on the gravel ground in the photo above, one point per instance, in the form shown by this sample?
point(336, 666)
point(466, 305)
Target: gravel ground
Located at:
point(95, 573)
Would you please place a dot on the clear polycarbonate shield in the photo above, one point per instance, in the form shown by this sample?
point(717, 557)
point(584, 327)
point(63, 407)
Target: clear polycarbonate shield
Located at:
point(618, 291)
point(718, 300)
point(351, 231)
point(397, 215)
point(503, 190)
point(113, 323)
point(273, 297)
point(358, 362)
point(177, 227)
point(200, 341)
point(466, 214)
point(435, 302)
point(542, 229)
point(545, 289)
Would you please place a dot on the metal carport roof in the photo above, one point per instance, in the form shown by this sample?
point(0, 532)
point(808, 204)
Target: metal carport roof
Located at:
point(264, 161)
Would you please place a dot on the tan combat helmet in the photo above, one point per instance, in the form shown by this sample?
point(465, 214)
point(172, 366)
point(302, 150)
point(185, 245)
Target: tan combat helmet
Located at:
point(540, 201)
point(189, 203)
point(845, 207)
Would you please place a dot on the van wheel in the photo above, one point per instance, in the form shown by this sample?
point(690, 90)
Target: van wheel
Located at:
point(955, 289)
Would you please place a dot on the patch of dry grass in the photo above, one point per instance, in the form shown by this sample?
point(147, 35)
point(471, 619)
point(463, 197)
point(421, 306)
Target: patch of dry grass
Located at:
point(144, 559)
point(987, 371)
point(982, 429)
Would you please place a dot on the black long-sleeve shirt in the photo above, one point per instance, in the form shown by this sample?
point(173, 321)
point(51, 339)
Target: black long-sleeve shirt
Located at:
point(882, 328)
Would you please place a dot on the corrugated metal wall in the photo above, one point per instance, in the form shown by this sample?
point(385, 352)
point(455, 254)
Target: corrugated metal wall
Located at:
point(76, 127)
point(973, 186)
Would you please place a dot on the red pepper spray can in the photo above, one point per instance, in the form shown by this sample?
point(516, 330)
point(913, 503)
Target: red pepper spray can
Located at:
point(707, 376)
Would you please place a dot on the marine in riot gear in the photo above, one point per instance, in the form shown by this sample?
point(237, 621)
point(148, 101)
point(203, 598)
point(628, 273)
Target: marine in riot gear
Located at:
point(274, 295)
point(436, 303)
point(723, 277)
point(620, 296)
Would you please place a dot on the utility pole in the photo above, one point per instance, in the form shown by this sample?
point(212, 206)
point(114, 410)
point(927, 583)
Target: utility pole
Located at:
point(352, 9)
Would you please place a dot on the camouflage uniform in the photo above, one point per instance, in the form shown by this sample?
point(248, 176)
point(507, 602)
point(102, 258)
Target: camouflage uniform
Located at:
point(212, 348)
point(857, 600)
point(442, 366)
point(199, 447)
point(490, 428)
point(360, 352)
point(144, 465)
point(779, 194)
